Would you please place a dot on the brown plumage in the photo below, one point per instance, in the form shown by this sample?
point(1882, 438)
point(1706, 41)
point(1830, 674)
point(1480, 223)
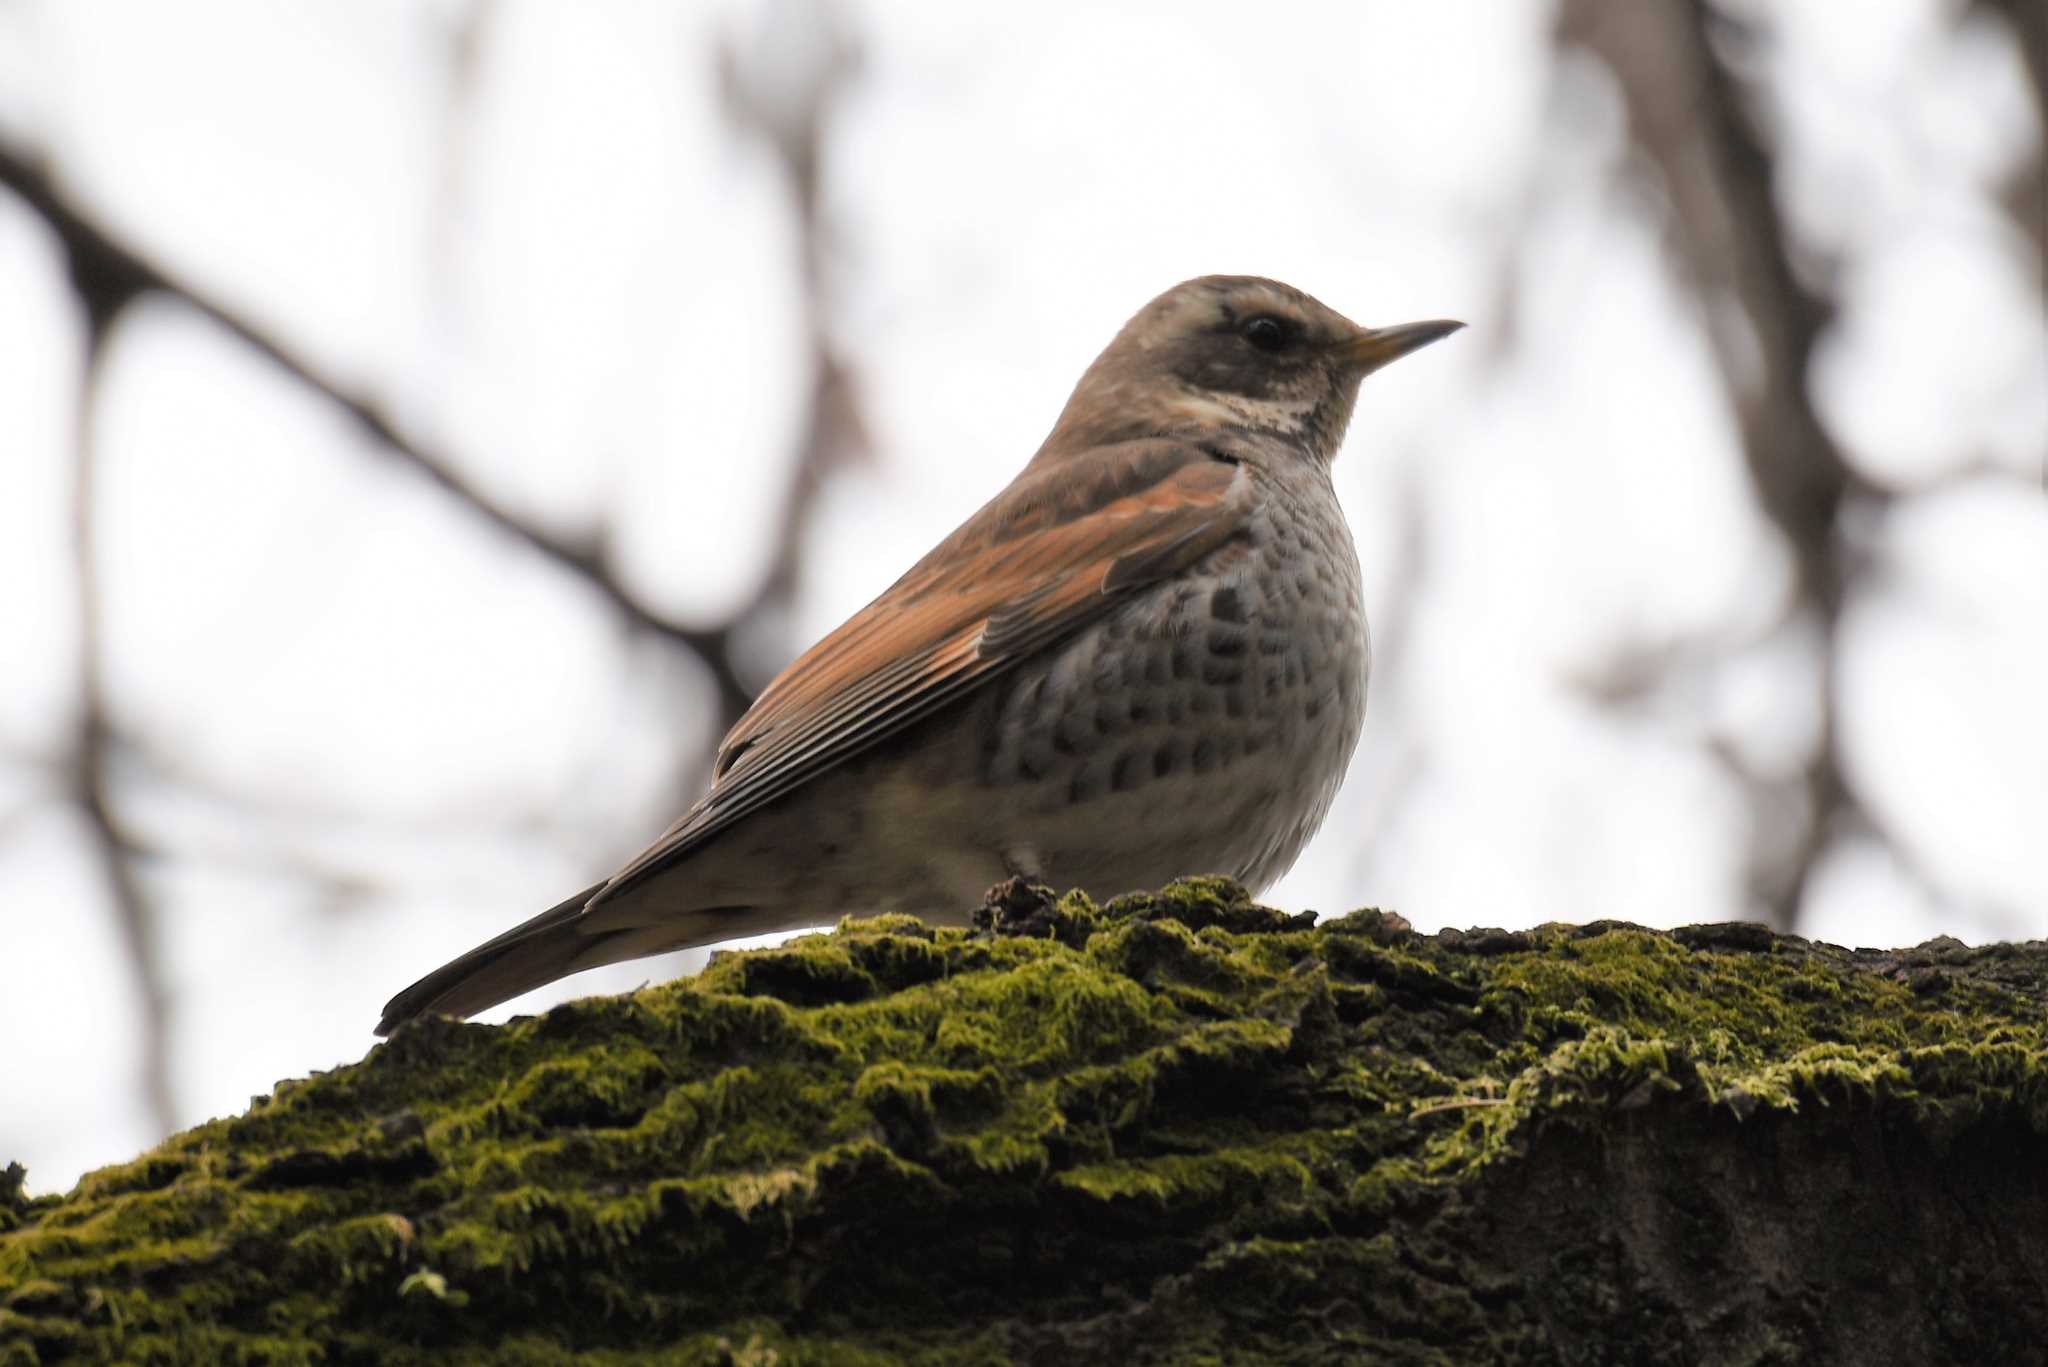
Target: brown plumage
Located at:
point(1145, 657)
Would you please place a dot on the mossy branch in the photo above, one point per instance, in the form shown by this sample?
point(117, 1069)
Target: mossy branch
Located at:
point(1174, 1128)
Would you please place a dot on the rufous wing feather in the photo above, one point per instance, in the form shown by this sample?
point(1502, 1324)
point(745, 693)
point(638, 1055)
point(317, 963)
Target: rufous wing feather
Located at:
point(1056, 550)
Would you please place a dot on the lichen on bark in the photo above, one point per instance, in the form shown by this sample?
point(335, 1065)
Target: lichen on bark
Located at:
point(1173, 1128)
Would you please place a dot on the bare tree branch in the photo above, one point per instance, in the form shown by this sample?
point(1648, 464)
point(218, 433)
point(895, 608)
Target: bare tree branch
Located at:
point(102, 263)
point(1692, 117)
point(783, 91)
point(106, 288)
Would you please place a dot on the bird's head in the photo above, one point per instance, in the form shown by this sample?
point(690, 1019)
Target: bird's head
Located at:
point(1233, 351)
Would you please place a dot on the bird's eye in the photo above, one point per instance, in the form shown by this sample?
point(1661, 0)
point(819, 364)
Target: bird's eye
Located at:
point(1265, 332)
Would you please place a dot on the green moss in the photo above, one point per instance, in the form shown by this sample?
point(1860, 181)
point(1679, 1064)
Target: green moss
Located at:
point(1179, 1127)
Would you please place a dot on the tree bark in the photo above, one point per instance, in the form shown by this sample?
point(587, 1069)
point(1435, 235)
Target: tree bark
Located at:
point(1173, 1128)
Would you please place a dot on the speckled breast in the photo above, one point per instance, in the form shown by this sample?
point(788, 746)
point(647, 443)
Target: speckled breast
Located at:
point(1205, 726)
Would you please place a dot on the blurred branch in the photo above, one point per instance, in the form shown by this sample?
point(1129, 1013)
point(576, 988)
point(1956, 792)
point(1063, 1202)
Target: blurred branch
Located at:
point(105, 287)
point(2027, 194)
point(780, 84)
point(1691, 116)
point(2029, 21)
point(1799, 474)
point(101, 263)
point(782, 88)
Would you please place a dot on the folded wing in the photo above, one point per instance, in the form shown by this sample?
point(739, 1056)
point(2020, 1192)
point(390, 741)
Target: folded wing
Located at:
point(1054, 552)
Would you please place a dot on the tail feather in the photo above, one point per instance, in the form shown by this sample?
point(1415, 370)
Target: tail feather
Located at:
point(534, 952)
point(564, 940)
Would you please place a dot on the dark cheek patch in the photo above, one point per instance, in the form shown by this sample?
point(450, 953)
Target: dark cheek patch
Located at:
point(1225, 364)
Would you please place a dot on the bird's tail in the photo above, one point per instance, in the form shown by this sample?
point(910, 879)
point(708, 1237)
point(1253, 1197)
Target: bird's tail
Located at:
point(550, 946)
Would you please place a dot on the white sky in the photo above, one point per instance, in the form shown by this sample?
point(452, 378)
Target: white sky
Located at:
point(580, 285)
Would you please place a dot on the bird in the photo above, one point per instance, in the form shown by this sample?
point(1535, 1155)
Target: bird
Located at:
point(1146, 657)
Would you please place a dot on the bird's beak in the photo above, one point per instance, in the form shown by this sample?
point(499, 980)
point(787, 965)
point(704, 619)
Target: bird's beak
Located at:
point(1375, 347)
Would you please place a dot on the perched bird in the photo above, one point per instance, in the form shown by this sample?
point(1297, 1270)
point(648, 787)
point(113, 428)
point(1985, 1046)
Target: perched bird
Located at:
point(1144, 658)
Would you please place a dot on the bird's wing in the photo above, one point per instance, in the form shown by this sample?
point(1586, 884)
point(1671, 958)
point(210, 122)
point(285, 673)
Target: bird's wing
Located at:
point(1049, 554)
